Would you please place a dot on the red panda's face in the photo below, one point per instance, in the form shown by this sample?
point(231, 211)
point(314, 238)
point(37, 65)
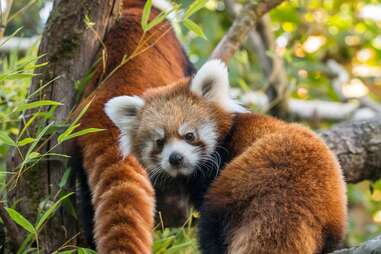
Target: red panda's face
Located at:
point(175, 134)
point(176, 129)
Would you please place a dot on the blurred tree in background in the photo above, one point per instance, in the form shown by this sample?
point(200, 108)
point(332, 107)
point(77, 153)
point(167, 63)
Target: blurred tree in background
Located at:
point(331, 52)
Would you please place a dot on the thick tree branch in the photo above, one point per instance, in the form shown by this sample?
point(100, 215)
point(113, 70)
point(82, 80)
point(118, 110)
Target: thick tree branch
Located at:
point(251, 12)
point(369, 247)
point(357, 145)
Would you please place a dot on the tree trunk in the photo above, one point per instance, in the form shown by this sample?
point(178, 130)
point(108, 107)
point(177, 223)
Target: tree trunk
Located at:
point(69, 47)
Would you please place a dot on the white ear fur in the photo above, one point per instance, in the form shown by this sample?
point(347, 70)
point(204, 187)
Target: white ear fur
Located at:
point(122, 111)
point(212, 82)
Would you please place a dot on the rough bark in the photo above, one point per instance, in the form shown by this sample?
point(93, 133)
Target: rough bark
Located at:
point(70, 49)
point(358, 148)
point(250, 14)
point(372, 246)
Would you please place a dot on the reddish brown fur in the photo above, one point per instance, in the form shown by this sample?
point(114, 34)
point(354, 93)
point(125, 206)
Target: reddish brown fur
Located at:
point(123, 197)
point(283, 188)
point(169, 106)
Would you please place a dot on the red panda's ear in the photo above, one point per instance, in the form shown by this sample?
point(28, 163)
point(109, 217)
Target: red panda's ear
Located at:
point(212, 82)
point(122, 111)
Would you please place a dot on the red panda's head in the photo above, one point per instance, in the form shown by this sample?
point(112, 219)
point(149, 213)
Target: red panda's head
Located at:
point(176, 128)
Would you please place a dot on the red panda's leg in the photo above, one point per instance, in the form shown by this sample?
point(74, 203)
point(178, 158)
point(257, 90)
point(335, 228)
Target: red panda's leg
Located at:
point(211, 232)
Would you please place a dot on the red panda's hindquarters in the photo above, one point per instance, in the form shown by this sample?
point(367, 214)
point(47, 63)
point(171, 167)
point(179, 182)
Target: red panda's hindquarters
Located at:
point(285, 194)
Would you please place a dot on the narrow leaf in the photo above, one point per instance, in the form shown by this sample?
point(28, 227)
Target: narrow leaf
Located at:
point(157, 20)
point(6, 139)
point(146, 14)
point(194, 7)
point(21, 220)
point(194, 28)
point(37, 104)
point(50, 211)
point(61, 138)
point(25, 141)
point(85, 251)
point(81, 133)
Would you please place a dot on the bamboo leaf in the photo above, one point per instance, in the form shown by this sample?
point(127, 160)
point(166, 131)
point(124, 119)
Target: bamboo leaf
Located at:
point(61, 138)
point(194, 7)
point(85, 251)
point(146, 14)
point(194, 28)
point(25, 141)
point(157, 20)
point(6, 139)
point(37, 104)
point(21, 220)
point(50, 211)
point(81, 133)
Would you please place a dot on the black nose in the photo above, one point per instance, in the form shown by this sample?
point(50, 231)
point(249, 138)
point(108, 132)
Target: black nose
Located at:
point(175, 159)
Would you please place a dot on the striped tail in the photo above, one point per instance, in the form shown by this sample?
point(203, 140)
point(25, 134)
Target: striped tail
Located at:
point(123, 201)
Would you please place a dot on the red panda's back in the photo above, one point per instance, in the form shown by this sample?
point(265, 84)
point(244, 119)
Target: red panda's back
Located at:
point(284, 190)
point(123, 197)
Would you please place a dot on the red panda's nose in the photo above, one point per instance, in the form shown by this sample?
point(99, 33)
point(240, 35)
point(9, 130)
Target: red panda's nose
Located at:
point(176, 159)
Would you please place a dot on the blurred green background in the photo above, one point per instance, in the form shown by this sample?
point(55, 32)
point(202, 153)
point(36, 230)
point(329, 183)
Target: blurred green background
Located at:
point(307, 34)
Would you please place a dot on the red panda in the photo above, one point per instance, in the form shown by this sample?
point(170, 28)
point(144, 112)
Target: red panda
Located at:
point(122, 195)
point(280, 189)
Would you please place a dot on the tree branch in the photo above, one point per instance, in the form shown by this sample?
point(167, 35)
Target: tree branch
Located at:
point(357, 145)
point(262, 40)
point(250, 14)
point(369, 247)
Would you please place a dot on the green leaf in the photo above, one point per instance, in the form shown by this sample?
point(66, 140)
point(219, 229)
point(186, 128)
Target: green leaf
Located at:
point(37, 104)
point(157, 20)
point(85, 251)
point(16, 76)
point(25, 141)
point(61, 138)
point(34, 144)
point(33, 155)
point(194, 28)
point(64, 178)
point(6, 139)
point(50, 211)
point(21, 220)
point(81, 133)
point(65, 252)
point(28, 123)
point(146, 14)
point(194, 7)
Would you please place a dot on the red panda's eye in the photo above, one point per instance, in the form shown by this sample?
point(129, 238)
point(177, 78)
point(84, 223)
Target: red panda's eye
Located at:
point(189, 137)
point(160, 142)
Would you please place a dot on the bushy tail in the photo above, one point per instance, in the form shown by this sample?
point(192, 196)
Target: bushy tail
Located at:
point(123, 200)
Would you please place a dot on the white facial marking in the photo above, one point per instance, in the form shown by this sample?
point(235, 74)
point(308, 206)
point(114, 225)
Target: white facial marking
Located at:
point(208, 134)
point(190, 153)
point(184, 129)
point(212, 82)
